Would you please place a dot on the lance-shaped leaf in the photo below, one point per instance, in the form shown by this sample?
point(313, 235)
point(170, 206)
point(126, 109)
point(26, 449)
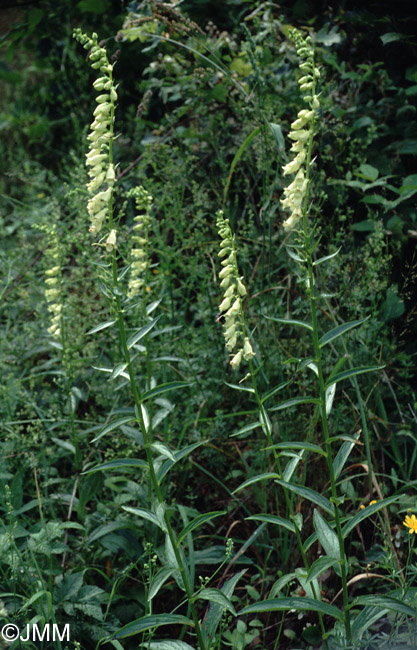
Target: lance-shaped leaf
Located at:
point(334, 379)
point(255, 479)
point(298, 603)
point(334, 333)
point(113, 425)
point(295, 401)
point(158, 580)
point(144, 513)
point(387, 602)
point(165, 388)
point(273, 391)
point(342, 455)
point(291, 321)
point(218, 597)
point(365, 513)
point(273, 519)
point(150, 622)
point(327, 538)
point(198, 521)
point(246, 429)
point(299, 444)
point(320, 565)
point(215, 613)
point(310, 495)
point(143, 331)
point(119, 463)
point(326, 257)
point(101, 326)
point(168, 644)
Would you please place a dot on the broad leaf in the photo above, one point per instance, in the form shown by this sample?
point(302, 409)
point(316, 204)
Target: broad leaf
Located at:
point(158, 580)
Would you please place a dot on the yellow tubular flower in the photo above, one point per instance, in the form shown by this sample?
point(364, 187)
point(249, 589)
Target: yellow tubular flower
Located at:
point(301, 133)
point(100, 168)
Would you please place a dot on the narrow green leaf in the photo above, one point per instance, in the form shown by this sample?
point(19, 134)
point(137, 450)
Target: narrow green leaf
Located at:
point(214, 615)
point(247, 429)
point(113, 425)
point(300, 604)
point(387, 602)
point(165, 388)
point(295, 401)
point(311, 495)
point(299, 444)
point(342, 456)
point(167, 644)
point(273, 519)
point(291, 466)
point(291, 321)
point(282, 582)
point(366, 617)
point(256, 479)
point(119, 463)
point(273, 391)
point(237, 157)
point(320, 565)
point(162, 449)
point(326, 257)
point(365, 513)
point(327, 537)
point(102, 326)
point(238, 387)
point(291, 252)
point(149, 622)
point(158, 581)
point(119, 369)
point(329, 397)
point(277, 132)
point(218, 597)
point(198, 521)
point(143, 331)
point(144, 513)
point(353, 372)
point(334, 333)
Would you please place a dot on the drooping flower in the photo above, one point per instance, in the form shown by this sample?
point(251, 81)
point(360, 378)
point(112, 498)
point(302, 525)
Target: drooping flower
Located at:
point(411, 523)
point(139, 253)
point(302, 130)
point(99, 159)
point(234, 292)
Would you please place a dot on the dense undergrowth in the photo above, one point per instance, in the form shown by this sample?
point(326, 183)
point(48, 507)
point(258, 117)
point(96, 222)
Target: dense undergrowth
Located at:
point(126, 431)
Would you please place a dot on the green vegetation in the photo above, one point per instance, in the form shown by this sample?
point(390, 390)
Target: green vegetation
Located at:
point(208, 403)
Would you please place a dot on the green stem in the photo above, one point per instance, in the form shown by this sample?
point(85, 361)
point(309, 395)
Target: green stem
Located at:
point(308, 249)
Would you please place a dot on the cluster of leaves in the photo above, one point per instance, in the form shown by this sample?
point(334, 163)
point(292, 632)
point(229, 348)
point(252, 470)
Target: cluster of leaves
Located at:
point(202, 112)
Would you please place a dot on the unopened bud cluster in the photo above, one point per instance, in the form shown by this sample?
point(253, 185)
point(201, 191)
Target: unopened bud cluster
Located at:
point(98, 159)
point(53, 292)
point(302, 131)
point(234, 292)
point(139, 254)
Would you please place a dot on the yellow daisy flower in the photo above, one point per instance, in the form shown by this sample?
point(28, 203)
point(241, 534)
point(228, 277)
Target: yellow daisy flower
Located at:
point(411, 523)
